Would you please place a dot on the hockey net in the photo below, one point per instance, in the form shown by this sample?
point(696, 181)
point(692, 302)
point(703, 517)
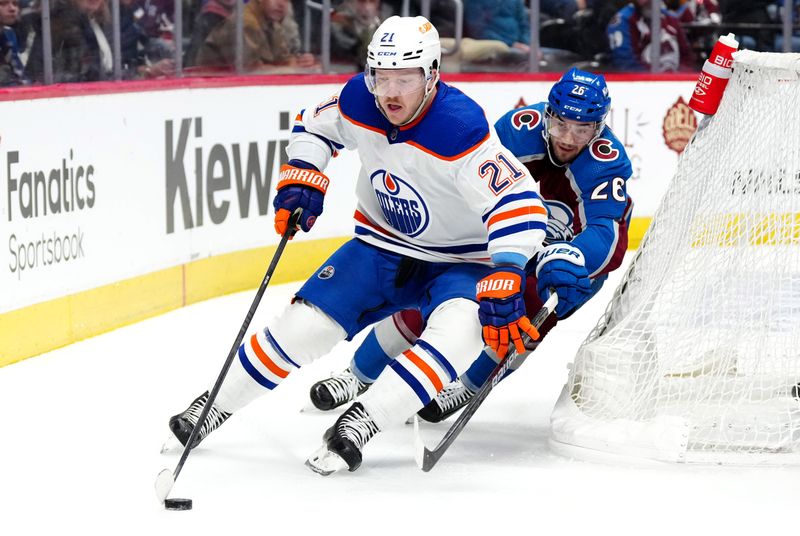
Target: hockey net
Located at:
point(697, 357)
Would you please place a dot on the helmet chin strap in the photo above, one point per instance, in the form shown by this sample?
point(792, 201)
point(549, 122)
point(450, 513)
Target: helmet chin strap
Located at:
point(428, 92)
point(553, 159)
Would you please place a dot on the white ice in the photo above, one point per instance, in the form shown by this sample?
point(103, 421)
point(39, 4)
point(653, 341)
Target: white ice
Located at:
point(82, 427)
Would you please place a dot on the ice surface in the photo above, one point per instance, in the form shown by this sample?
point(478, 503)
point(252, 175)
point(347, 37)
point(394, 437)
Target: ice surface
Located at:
point(83, 425)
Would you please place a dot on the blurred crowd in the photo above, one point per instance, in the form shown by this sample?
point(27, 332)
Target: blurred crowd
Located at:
point(492, 35)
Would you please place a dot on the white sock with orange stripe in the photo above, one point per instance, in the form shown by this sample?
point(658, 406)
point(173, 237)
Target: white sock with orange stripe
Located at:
point(267, 357)
point(449, 344)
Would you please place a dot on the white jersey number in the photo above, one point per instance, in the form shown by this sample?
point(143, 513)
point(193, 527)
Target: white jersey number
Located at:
point(617, 192)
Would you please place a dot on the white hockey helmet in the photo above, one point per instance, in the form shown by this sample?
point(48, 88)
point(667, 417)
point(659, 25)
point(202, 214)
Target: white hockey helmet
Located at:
point(403, 43)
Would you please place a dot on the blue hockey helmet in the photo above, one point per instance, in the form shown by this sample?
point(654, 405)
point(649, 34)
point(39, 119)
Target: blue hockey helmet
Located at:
point(580, 96)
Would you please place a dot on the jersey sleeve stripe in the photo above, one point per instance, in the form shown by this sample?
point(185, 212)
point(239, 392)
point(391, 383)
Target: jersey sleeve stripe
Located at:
point(510, 198)
point(371, 228)
point(518, 228)
point(332, 145)
point(515, 213)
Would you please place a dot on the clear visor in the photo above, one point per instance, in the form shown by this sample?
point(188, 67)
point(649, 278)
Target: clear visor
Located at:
point(566, 129)
point(394, 82)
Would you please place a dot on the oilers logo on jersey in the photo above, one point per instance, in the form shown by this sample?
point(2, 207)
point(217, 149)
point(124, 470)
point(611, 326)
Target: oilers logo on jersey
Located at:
point(327, 272)
point(559, 222)
point(401, 205)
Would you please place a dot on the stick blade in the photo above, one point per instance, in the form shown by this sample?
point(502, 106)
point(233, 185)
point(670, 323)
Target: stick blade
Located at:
point(164, 482)
point(425, 458)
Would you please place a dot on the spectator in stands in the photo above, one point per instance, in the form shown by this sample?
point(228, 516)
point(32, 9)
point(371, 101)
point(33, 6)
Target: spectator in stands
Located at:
point(442, 13)
point(212, 14)
point(143, 56)
point(496, 33)
point(271, 40)
point(80, 31)
point(11, 68)
point(750, 11)
point(498, 20)
point(630, 41)
point(795, 21)
point(154, 19)
point(352, 26)
point(563, 9)
point(699, 10)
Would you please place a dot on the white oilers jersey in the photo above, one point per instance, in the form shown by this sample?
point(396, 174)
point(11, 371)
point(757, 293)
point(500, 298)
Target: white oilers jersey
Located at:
point(440, 189)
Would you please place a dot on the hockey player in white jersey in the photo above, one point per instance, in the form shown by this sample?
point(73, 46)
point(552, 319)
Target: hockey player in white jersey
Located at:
point(443, 208)
point(581, 169)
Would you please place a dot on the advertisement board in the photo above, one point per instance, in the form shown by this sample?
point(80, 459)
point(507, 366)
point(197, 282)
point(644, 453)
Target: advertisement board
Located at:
point(106, 188)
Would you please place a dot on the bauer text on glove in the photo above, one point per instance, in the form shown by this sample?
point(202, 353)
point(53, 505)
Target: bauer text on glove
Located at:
point(561, 266)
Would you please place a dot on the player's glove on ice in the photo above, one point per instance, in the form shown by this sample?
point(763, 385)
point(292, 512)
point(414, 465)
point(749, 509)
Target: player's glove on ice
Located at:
point(562, 266)
point(501, 309)
point(299, 188)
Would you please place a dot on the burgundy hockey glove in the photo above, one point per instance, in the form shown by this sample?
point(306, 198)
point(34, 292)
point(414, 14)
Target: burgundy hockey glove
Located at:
point(501, 309)
point(299, 188)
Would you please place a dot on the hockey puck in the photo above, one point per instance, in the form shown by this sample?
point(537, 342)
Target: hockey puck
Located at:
point(178, 504)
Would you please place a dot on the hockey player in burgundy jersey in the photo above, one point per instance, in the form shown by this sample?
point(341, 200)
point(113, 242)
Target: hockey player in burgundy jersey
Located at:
point(581, 169)
point(437, 217)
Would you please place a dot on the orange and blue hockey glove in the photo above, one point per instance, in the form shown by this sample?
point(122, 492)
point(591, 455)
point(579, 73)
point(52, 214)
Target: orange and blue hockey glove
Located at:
point(501, 309)
point(301, 186)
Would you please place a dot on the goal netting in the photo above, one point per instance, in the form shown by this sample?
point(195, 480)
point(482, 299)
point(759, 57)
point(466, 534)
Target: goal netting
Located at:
point(697, 357)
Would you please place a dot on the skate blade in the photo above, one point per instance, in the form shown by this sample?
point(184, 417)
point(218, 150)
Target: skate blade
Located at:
point(171, 444)
point(310, 408)
point(164, 482)
point(324, 462)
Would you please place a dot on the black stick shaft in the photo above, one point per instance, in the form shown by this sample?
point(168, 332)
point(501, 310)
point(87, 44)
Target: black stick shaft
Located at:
point(291, 229)
point(430, 457)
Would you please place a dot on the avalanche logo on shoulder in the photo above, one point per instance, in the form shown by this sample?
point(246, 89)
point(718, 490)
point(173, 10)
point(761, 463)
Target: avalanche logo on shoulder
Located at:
point(528, 119)
point(559, 222)
point(327, 272)
point(401, 205)
point(603, 150)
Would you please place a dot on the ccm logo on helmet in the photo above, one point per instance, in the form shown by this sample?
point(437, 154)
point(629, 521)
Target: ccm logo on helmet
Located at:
point(528, 119)
point(603, 150)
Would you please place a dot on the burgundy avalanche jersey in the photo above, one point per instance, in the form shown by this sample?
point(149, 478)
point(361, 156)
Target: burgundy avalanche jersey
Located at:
point(587, 200)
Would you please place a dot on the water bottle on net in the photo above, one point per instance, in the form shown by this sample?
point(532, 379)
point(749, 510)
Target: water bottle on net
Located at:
point(714, 76)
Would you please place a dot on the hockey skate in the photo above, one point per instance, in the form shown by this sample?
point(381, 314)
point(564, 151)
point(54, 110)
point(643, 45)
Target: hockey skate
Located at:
point(344, 442)
point(452, 398)
point(183, 423)
point(337, 390)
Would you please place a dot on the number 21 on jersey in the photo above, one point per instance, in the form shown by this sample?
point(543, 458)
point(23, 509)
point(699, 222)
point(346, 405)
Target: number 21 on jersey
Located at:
point(500, 172)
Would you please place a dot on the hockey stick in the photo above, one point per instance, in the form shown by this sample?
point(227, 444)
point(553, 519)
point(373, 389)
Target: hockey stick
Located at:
point(166, 479)
point(427, 458)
